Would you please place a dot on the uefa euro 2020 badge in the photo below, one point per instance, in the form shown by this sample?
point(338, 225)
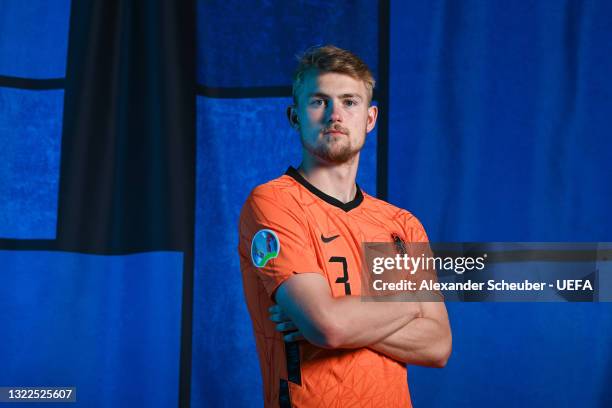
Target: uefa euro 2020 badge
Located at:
point(264, 246)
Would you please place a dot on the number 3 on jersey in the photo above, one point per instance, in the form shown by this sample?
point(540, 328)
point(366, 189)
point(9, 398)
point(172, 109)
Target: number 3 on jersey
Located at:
point(345, 278)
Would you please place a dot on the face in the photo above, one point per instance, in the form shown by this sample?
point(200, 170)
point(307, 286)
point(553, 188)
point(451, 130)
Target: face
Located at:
point(333, 116)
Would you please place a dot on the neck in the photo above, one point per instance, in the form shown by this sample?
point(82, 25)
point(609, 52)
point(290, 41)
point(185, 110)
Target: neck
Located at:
point(336, 180)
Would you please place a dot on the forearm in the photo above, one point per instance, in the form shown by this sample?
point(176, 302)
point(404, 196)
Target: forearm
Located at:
point(344, 322)
point(360, 324)
point(422, 341)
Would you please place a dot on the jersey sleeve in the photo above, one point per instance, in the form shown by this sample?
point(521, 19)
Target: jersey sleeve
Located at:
point(413, 229)
point(420, 246)
point(274, 241)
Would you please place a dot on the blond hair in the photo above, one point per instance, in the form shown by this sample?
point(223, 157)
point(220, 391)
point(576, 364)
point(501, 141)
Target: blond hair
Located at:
point(330, 58)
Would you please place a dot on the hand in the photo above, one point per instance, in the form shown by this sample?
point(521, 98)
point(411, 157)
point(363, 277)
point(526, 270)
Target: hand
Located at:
point(285, 324)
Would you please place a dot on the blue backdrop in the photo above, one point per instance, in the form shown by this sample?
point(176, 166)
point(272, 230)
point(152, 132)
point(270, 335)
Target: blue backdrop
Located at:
point(498, 130)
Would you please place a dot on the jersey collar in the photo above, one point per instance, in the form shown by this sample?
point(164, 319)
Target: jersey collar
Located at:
point(354, 203)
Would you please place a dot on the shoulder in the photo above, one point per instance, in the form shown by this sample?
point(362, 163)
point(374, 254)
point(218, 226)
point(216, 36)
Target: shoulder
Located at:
point(412, 226)
point(275, 195)
point(389, 210)
point(279, 189)
point(277, 201)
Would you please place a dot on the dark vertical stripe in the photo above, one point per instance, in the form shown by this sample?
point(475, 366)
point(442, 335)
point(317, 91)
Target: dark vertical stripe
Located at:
point(382, 152)
point(292, 354)
point(284, 399)
point(185, 17)
point(294, 374)
point(186, 332)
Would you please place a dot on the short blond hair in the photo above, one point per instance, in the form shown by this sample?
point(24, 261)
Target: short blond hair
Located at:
point(330, 58)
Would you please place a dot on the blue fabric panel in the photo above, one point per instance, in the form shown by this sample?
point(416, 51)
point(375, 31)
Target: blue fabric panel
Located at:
point(254, 44)
point(109, 325)
point(499, 131)
point(34, 38)
point(241, 144)
point(30, 139)
point(499, 119)
point(522, 355)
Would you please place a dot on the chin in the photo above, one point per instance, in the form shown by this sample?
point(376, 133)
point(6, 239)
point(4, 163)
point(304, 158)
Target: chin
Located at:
point(339, 157)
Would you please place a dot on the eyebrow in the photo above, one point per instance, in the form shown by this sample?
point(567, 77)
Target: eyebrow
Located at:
point(343, 96)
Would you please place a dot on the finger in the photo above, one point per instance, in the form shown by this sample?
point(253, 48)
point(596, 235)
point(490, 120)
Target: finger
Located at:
point(275, 309)
point(279, 318)
point(293, 336)
point(284, 326)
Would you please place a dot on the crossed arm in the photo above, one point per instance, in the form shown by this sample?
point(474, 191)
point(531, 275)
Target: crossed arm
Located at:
point(410, 332)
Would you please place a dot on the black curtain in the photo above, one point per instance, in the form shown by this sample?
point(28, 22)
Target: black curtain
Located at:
point(128, 142)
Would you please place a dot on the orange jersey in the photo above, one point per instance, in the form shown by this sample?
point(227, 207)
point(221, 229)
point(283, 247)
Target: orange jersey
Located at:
point(287, 227)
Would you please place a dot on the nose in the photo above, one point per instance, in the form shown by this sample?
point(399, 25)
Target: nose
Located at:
point(334, 112)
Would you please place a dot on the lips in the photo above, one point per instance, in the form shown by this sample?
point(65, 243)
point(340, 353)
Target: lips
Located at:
point(335, 132)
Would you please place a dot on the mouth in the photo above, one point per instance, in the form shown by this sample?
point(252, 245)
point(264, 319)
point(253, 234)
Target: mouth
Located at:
point(334, 132)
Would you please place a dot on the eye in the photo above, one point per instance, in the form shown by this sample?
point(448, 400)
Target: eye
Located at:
point(350, 102)
point(317, 102)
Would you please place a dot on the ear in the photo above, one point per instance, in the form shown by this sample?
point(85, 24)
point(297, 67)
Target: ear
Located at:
point(292, 116)
point(372, 115)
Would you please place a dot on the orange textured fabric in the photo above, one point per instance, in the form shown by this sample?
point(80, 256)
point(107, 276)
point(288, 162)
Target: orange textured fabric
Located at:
point(317, 234)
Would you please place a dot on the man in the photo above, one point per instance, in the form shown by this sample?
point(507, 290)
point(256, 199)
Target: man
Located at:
point(301, 235)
